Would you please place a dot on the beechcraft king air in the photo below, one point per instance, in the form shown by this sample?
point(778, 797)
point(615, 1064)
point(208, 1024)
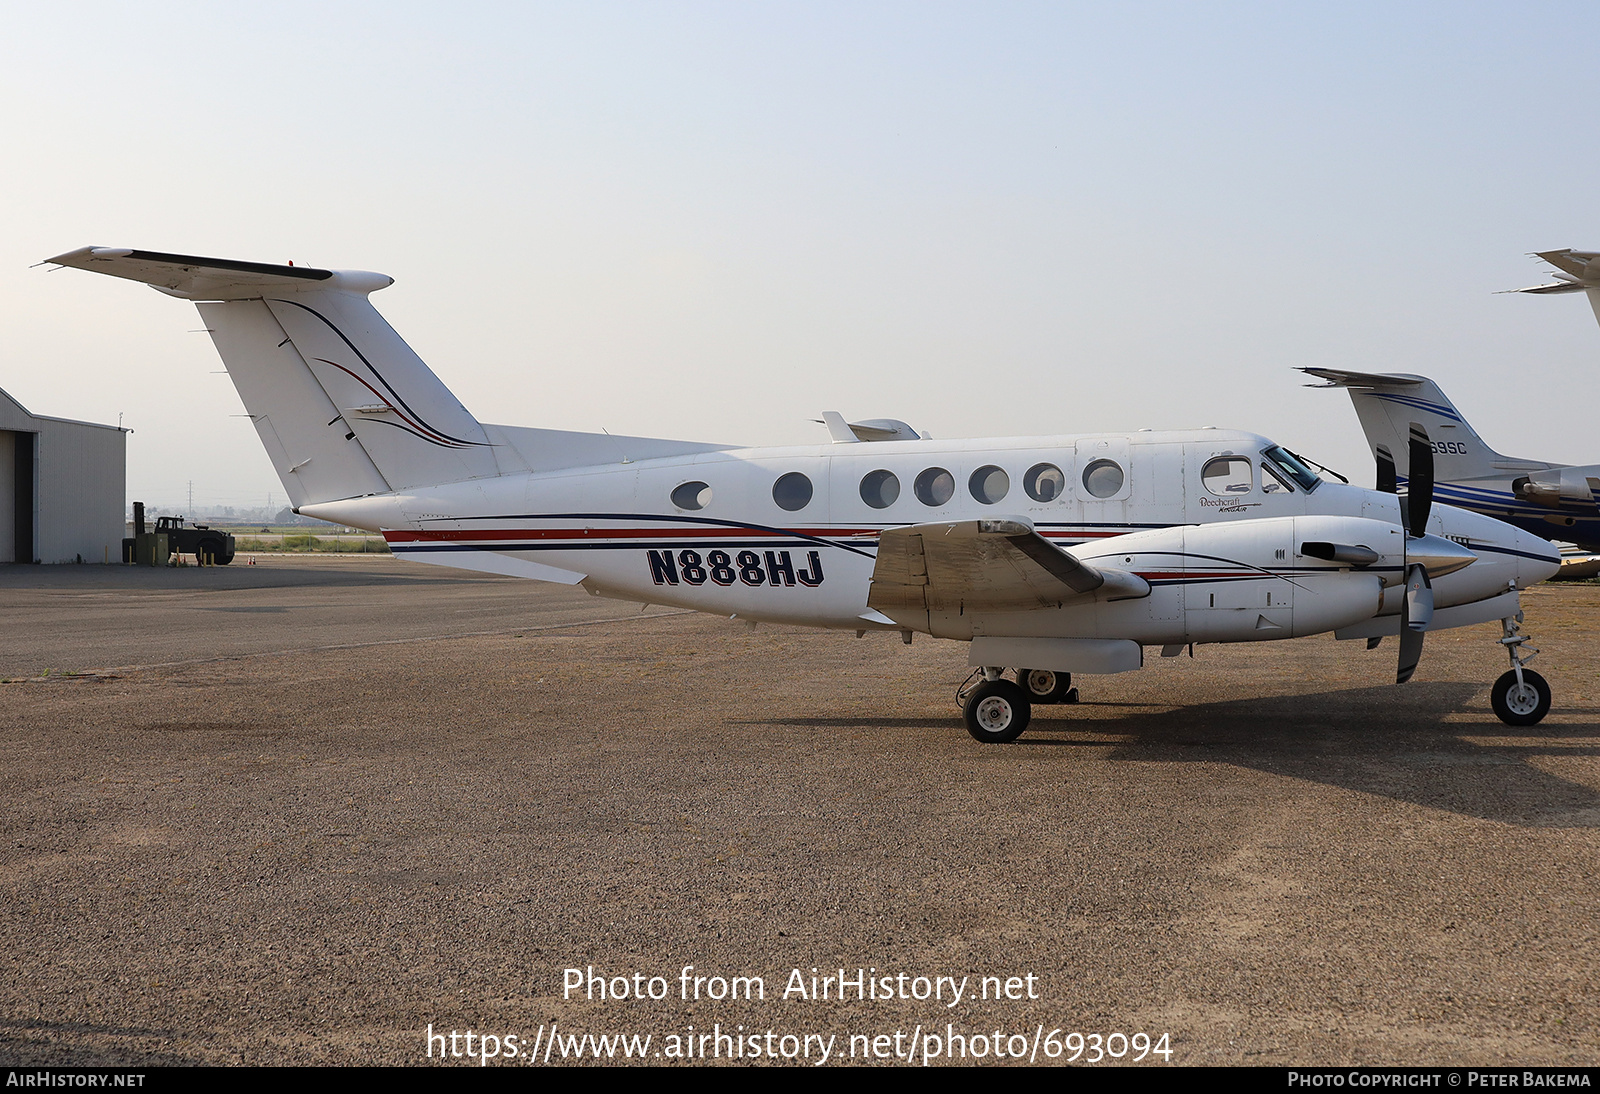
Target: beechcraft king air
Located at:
point(1049, 555)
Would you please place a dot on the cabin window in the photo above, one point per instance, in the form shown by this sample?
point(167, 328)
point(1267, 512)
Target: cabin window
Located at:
point(692, 495)
point(1044, 482)
point(792, 492)
point(1103, 478)
point(935, 486)
point(880, 489)
point(1227, 476)
point(989, 484)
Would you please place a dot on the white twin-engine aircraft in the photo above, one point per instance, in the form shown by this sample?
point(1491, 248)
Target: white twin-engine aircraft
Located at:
point(1049, 555)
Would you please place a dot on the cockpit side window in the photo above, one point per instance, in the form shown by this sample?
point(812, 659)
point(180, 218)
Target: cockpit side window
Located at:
point(1281, 458)
point(1274, 481)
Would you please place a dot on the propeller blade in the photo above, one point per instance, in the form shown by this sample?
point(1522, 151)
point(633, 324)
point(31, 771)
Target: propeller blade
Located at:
point(1419, 494)
point(1388, 481)
point(1410, 653)
point(1416, 612)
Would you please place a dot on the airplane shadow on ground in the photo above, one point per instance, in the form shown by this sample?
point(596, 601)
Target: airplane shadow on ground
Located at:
point(27, 1043)
point(1394, 743)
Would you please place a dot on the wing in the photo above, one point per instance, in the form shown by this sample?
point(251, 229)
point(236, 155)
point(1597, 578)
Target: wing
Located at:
point(985, 566)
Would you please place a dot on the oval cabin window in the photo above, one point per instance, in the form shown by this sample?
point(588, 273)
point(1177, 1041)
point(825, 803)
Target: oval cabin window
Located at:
point(1103, 478)
point(880, 489)
point(1044, 482)
point(692, 495)
point(935, 486)
point(989, 484)
point(792, 491)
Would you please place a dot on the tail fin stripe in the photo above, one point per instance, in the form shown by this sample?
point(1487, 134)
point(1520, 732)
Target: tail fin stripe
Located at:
point(459, 441)
point(443, 441)
point(1418, 404)
point(404, 429)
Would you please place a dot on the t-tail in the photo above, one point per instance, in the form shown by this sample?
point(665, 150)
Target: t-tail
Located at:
point(342, 404)
point(1387, 404)
point(1575, 271)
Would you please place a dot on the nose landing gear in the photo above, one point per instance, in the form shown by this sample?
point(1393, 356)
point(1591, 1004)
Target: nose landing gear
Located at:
point(1520, 697)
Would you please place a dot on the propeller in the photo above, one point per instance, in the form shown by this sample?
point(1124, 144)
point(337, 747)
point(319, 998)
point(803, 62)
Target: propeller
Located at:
point(1416, 609)
point(1419, 479)
point(1388, 481)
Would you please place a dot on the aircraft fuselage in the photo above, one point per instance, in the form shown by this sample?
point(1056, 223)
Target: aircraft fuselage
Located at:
point(1213, 524)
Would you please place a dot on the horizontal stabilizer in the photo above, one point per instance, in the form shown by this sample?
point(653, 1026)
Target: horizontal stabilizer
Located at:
point(420, 547)
point(196, 278)
point(1338, 377)
point(1578, 264)
point(1575, 271)
point(1551, 288)
point(873, 429)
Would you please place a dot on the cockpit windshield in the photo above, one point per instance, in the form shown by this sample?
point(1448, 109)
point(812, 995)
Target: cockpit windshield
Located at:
point(1291, 466)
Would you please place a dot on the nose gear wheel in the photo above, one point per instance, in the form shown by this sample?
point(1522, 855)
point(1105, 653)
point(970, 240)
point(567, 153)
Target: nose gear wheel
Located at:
point(1521, 697)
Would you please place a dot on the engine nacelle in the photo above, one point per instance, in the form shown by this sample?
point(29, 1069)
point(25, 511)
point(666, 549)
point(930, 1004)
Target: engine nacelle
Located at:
point(1559, 486)
point(1250, 580)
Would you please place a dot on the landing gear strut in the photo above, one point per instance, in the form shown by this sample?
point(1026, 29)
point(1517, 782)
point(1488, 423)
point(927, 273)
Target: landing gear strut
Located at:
point(1520, 697)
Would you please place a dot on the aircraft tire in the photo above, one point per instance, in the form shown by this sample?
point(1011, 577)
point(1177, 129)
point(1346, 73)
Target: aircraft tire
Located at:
point(1043, 686)
point(997, 711)
point(1526, 706)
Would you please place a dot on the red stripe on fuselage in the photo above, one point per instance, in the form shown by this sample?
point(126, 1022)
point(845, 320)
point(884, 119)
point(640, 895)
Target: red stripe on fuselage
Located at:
point(674, 532)
point(457, 535)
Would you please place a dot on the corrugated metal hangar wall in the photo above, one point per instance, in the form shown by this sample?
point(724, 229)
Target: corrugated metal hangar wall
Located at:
point(62, 488)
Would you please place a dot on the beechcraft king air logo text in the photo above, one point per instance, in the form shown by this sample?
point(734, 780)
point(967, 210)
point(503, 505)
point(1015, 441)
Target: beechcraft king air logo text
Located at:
point(721, 568)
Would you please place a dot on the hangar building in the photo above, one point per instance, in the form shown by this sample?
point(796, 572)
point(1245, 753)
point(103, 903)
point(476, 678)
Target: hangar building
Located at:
point(62, 488)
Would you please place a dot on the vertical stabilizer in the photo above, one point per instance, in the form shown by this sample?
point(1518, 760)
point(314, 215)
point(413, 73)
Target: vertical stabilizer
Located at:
point(1388, 403)
point(342, 404)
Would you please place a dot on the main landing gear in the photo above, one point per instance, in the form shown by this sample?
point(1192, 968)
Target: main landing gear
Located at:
point(1520, 697)
point(1047, 686)
point(998, 711)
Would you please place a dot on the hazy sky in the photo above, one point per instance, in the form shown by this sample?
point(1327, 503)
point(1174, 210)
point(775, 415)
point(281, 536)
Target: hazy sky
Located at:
point(716, 220)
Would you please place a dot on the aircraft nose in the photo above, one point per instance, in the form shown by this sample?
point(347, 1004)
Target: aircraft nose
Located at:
point(1537, 559)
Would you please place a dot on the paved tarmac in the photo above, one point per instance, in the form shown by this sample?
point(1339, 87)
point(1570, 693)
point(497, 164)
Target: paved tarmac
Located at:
point(303, 811)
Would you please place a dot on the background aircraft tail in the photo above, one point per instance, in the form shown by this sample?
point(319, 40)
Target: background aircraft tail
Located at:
point(1576, 271)
point(342, 404)
point(1387, 404)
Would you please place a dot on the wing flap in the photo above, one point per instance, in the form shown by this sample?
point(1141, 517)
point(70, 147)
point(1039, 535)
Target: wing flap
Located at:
point(985, 566)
